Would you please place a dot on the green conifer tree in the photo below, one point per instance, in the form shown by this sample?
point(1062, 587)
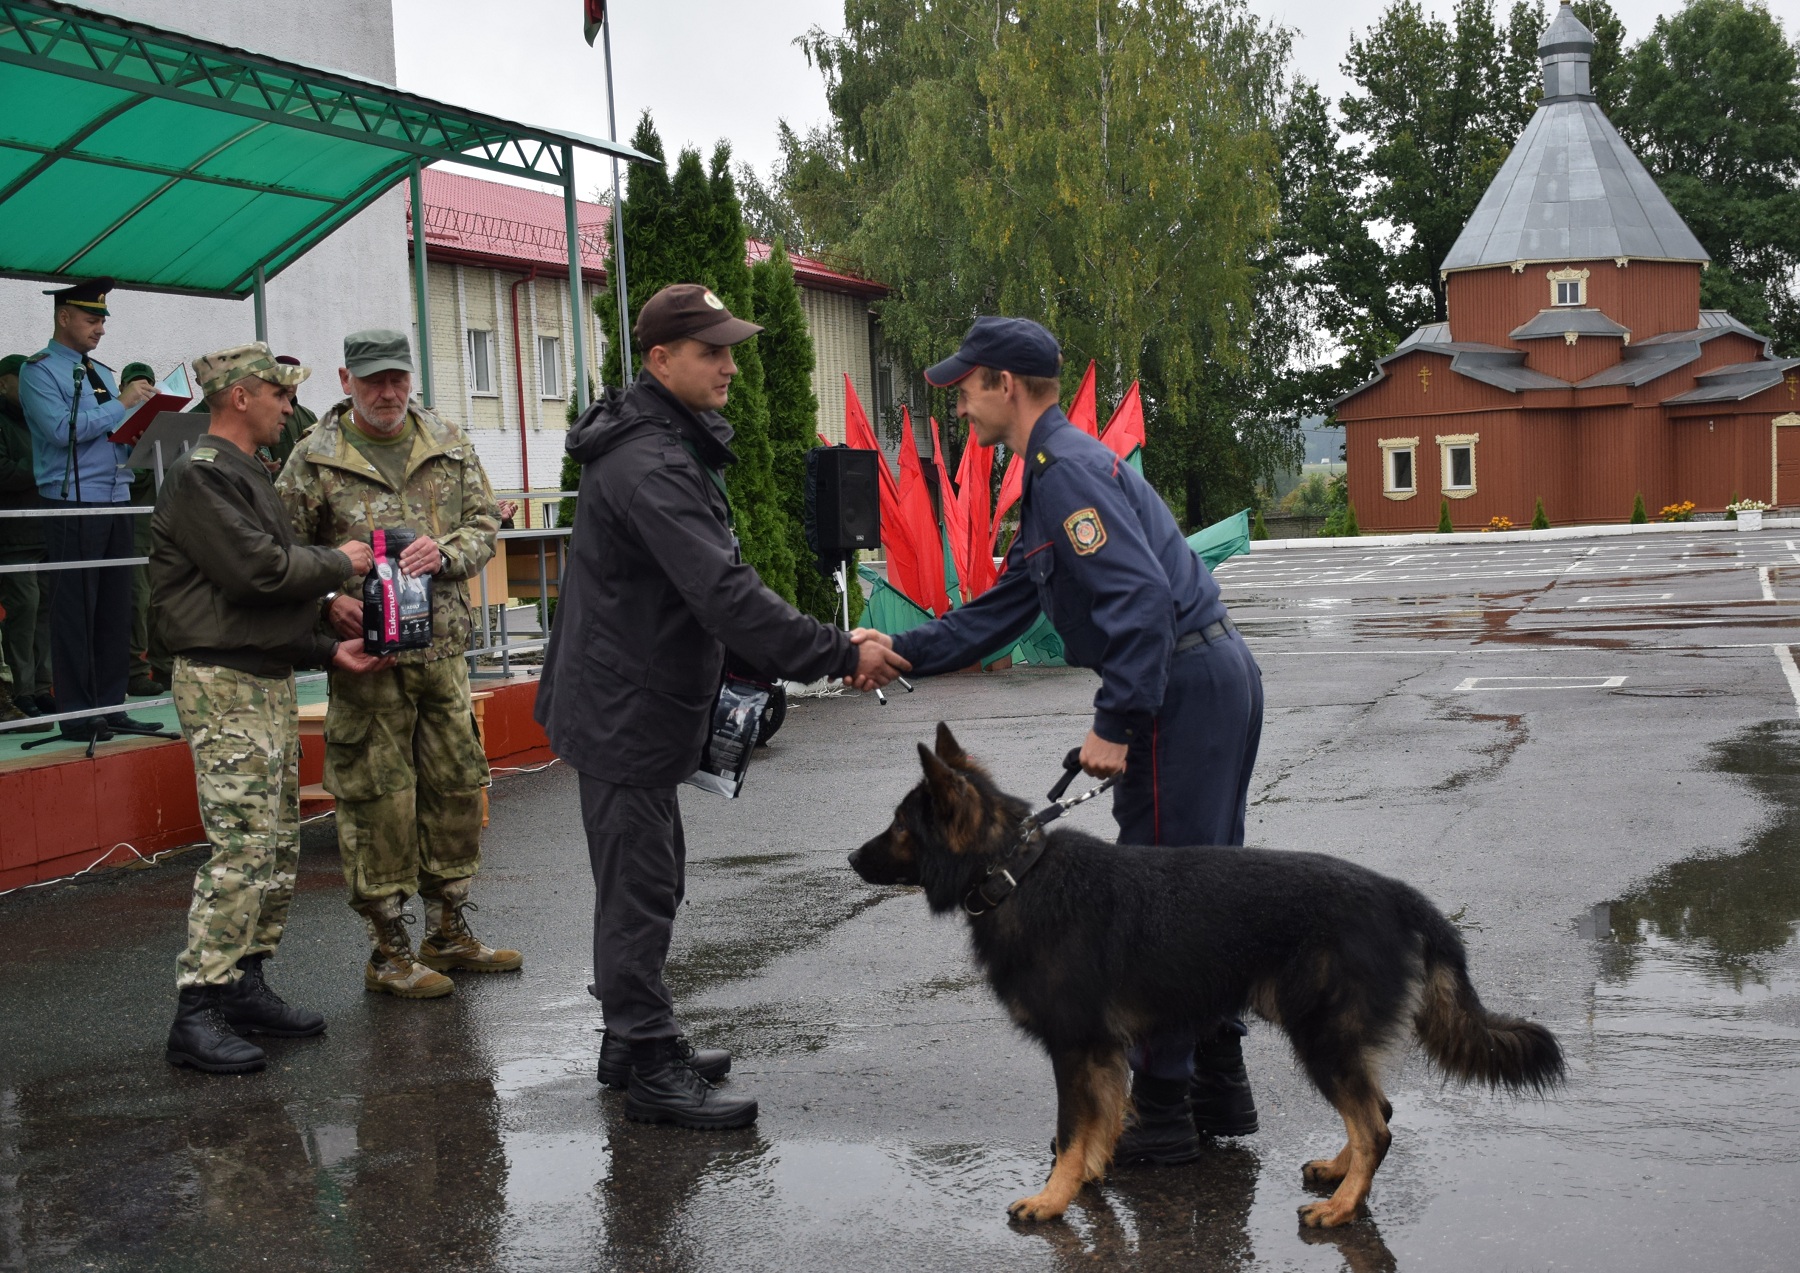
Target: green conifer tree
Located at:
point(755, 499)
point(1444, 526)
point(1258, 528)
point(1538, 519)
point(1350, 526)
point(787, 355)
point(1637, 510)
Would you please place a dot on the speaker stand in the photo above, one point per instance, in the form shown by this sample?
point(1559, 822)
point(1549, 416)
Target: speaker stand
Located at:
point(842, 578)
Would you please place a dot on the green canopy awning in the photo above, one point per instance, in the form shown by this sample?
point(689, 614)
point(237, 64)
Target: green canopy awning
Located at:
point(175, 164)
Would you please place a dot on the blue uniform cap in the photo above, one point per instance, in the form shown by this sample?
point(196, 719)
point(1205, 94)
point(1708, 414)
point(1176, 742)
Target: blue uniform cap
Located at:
point(1017, 345)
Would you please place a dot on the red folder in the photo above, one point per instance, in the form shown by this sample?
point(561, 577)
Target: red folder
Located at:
point(132, 427)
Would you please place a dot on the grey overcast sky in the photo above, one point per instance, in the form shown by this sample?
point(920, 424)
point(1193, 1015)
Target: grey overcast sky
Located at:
point(708, 69)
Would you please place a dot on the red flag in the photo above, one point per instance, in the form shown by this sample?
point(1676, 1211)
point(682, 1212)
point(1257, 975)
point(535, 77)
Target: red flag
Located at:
point(894, 539)
point(921, 527)
point(956, 516)
point(973, 476)
point(593, 13)
point(1083, 413)
point(1125, 431)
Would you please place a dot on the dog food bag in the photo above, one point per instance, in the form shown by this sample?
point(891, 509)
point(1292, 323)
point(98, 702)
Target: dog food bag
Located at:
point(737, 718)
point(396, 605)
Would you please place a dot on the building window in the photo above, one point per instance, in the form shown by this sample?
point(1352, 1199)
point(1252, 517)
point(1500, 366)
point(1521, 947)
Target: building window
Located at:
point(1399, 466)
point(1458, 451)
point(481, 362)
point(1568, 287)
point(550, 376)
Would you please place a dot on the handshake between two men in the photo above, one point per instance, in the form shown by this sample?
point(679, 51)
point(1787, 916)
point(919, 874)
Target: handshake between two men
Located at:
point(876, 663)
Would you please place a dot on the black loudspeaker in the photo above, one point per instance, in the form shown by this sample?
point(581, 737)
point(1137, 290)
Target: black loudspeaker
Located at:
point(843, 502)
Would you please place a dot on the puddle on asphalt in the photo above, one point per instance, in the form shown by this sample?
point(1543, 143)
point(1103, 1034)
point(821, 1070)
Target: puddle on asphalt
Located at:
point(1728, 916)
point(644, 1197)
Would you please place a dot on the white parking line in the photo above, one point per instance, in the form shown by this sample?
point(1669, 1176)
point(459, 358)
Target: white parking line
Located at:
point(1784, 655)
point(1603, 598)
point(1768, 589)
point(1561, 682)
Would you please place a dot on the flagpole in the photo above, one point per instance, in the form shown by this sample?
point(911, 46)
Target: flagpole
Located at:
point(618, 220)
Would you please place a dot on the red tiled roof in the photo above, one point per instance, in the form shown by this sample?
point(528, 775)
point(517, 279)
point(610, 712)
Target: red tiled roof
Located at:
point(516, 227)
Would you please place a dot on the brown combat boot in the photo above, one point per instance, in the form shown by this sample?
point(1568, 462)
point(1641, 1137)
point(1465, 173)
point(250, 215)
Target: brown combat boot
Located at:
point(392, 969)
point(448, 942)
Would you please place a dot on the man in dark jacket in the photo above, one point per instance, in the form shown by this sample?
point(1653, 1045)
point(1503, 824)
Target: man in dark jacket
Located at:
point(238, 603)
point(653, 593)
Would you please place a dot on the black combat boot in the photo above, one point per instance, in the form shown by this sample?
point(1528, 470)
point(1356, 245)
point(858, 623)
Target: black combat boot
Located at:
point(202, 1038)
point(1160, 1130)
point(250, 1007)
point(614, 1070)
point(665, 1089)
point(1220, 1092)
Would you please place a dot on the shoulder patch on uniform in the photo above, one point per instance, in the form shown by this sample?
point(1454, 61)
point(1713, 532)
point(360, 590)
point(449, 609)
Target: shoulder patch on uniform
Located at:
point(1086, 532)
point(39, 356)
point(203, 455)
point(1041, 460)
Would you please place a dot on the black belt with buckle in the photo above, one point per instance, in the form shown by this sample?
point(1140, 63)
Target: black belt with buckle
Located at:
point(1211, 634)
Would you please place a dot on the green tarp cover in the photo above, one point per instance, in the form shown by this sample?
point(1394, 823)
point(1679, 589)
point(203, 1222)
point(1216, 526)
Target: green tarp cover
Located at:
point(171, 163)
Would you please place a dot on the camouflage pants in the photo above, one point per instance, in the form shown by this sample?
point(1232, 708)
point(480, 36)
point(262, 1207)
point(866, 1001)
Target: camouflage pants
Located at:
point(244, 732)
point(404, 760)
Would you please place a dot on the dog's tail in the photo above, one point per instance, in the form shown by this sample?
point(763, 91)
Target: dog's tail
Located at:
point(1468, 1041)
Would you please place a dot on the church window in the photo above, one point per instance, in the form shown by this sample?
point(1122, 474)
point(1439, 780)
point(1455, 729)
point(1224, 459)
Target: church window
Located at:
point(1398, 467)
point(1568, 287)
point(1457, 453)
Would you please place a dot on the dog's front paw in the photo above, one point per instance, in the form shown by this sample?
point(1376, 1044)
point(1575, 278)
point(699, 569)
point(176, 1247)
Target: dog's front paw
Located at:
point(1329, 1214)
point(1322, 1172)
point(1040, 1206)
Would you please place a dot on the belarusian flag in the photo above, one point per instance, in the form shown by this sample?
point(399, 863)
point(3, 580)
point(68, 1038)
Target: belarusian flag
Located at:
point(593, 13)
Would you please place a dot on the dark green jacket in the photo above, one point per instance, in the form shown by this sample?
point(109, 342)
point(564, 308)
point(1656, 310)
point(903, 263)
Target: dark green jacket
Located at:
point(18, 483)
point(229, 586)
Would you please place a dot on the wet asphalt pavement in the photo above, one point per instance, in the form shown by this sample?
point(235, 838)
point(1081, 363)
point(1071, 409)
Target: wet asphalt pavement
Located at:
point(1588, 752)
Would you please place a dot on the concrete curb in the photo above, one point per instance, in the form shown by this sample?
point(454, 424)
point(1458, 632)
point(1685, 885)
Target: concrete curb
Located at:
point(1426, 539)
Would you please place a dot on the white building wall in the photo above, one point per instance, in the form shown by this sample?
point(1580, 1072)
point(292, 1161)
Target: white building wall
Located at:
point(840, 334)
point(354, 279)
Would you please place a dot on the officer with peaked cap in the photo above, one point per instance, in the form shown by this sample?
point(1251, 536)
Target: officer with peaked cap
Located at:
point(238, 601)
point(1178, 715)
point(72, 403)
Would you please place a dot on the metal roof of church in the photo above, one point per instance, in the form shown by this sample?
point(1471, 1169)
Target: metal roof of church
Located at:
point(1571, 190)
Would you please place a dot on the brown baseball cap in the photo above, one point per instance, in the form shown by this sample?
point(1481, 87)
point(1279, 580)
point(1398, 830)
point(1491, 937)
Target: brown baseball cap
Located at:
point(688, 310)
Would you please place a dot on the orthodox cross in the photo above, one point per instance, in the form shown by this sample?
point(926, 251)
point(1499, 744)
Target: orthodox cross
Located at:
point(1425, 380)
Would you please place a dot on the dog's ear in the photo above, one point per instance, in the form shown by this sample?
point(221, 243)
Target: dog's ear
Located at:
point(954, 800)
point(948, 749)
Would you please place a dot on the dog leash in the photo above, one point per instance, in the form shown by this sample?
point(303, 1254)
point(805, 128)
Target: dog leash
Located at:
point(1004, 876)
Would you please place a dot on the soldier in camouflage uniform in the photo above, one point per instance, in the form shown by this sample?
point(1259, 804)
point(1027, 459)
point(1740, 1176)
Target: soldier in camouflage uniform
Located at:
point(237, 601)
point(402, 755)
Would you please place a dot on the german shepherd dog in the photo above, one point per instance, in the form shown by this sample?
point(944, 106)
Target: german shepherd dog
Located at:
point(1098, 943)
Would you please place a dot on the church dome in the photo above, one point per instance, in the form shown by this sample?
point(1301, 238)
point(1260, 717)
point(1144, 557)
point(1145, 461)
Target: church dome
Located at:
point(1571, 190)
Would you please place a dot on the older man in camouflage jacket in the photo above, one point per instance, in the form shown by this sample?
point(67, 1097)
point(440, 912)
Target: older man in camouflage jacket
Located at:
point(401, 753)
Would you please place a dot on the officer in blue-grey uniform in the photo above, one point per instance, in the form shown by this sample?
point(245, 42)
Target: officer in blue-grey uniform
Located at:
point(1179, 712)
point(72, 404)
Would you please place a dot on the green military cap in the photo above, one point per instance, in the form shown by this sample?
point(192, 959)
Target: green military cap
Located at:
point(89, 296)
point(219, 371)
point(378, 349)
point(11, 364)
point(137, 371)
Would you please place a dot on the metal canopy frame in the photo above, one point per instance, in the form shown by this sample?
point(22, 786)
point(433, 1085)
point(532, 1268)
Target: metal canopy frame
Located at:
point(355, 138)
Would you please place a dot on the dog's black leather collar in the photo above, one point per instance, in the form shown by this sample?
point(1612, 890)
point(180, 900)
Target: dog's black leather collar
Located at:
point(1004, 876)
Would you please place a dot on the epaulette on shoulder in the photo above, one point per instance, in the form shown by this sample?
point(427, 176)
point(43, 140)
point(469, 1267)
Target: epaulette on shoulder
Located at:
point(1041, 459)
point(39, 356)
point(202, 455)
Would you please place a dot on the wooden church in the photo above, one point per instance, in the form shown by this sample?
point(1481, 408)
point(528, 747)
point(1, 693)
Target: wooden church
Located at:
point(1576, 365)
